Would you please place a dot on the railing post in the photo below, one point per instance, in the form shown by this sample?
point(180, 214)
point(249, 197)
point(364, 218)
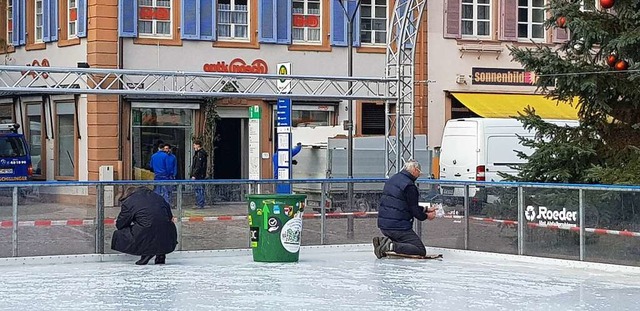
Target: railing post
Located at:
point(582, 232)
point(179, 215)
point(350, 220)
point(14, 224)
point(99, 234)
point(466, 216)
point(521, 221)
point(323, 213)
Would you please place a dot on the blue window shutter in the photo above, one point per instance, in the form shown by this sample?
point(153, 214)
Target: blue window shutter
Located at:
point(338, 25)
point(82, 18)
point(45, 21)
point(353, 9)
point(190, 28)
point(15, 16)
point(207, 19)
point(267, 16)
point(53, 20)
point(283, 17)
point(23, 22)
point(128, 21)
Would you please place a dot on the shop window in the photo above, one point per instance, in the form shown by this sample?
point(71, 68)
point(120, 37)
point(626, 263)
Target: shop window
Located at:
point(233, 20)
point(307, 21)
point(6, 113)
point(65, 141)
point(531, 20)
point(154, 18)
point(476, 18)
point(35, 132)
point(373, 22)
point(301, 118)
point(372, 119)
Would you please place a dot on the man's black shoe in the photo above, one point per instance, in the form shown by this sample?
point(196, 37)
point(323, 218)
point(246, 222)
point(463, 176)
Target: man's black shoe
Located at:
point(144, 260)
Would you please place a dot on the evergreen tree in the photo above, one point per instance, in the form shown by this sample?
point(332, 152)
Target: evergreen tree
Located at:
point(597, 69)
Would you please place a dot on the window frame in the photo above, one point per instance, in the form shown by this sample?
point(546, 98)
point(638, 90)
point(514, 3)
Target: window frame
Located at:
point(175, 38)
point(11, 108)
point(8, 22)
point(154, 22)
point(43, 140)
point(233, 27)
point(32, 43)
point(36, 27)
point(305, 29)
point(475, 20)
point(68, 22)
point(388, 7)
point(530, 23)
point(56, 145)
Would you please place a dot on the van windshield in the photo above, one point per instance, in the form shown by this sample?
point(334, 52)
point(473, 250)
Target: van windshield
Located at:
point(11, 146)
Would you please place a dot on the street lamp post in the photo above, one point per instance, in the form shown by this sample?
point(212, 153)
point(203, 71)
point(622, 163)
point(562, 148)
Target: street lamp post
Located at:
point(350, 17)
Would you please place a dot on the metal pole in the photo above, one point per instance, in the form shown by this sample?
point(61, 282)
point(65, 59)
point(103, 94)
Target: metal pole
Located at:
point(323, 213)
point(14, 224)
point(521, 221)
point(100, 219)
point(582, 232)
point(350, 106)
point(179, 216)
point(466, 216)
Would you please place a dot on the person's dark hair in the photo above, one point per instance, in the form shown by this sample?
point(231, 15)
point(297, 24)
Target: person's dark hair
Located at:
point(166, 145)
point(160, 143)
point(128, 191)
point(197, 142)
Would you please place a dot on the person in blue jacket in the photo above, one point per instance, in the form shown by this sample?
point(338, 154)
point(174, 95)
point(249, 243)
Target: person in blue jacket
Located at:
point(172, 168)
point(158, 165)
point(398, 207)
point(284, 188)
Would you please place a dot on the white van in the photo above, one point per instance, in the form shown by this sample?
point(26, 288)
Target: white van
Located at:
point(476, 149)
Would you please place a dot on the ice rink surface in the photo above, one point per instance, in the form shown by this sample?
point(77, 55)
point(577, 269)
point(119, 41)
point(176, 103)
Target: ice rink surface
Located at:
point(326, 278)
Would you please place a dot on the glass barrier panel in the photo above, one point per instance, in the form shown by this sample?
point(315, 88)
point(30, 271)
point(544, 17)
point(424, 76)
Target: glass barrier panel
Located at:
point(552, 217)
point(56, 220)
point(446, 231)
point(6, 221)
point(612, 225)
point(493, 219)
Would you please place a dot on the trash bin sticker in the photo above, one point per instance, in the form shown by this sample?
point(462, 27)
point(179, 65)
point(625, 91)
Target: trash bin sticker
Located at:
point(288, 211)
point(250, 220)
point(255, 236)
point(252, 205)
point(274, 224)
point(276, 209)
point(290, 235)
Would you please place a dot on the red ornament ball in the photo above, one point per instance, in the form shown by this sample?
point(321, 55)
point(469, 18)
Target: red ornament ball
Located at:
point(622, 65)
point(607, 4)
point(561, 22)
point(612, 59)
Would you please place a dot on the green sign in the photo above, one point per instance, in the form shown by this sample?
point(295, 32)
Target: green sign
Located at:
point(254, 112)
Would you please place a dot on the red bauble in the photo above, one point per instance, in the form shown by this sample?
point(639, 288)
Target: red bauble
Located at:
point(612, 59)
point(561, 22)
point(622, 65)
point(607, 4)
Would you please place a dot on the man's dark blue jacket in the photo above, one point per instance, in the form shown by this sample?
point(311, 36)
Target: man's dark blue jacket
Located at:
point(399, 203)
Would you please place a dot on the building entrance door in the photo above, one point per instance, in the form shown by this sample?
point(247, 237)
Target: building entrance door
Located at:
point(153, 125)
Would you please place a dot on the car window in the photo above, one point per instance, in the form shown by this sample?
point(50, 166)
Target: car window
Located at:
point(11, 147)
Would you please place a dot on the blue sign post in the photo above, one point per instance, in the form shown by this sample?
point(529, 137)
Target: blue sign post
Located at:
point(283, 155)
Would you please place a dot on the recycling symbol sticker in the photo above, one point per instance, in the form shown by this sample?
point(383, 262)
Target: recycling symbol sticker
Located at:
point(530, 213)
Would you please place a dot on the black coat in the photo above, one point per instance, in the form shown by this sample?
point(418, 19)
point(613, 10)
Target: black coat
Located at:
point(199, 164)
point(399, 203)
point(145, 225)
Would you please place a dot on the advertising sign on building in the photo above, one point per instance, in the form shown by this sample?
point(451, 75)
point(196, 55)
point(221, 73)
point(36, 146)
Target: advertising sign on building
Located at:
point(254, 142)
point(502, 76)
point(284, 85)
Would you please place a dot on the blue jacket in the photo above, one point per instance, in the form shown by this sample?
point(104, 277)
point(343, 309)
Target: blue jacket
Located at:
point(399, 203)
point(159, 166)
point(172, 165)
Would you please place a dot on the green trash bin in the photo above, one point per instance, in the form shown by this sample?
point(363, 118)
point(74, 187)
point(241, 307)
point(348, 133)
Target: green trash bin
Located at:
point(275, 223)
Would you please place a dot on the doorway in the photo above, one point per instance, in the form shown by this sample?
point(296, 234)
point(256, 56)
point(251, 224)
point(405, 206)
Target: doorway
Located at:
point(230, 160)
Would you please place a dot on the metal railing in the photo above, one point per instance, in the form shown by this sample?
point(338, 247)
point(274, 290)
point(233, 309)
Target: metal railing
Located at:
point(596, 223)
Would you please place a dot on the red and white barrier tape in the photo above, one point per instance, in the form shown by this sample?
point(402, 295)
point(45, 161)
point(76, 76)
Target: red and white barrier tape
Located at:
point(111, 221)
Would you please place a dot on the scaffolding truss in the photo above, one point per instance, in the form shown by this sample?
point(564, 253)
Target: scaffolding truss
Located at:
point(399, 109)
point(50, 80)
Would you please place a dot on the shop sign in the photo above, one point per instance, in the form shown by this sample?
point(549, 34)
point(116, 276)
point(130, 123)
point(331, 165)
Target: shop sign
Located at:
point(503, 76)
point(548, 216)
point(238, 65)
point(36, 63)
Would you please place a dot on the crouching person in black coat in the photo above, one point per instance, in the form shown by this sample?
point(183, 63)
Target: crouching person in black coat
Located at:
point(144, 226)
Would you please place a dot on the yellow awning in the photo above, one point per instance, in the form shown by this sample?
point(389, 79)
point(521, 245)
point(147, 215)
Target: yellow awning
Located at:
point(508, 105)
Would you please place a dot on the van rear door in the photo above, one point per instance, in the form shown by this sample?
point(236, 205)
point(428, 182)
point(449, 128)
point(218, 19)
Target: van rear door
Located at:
point(501, 155)
point(458, 154)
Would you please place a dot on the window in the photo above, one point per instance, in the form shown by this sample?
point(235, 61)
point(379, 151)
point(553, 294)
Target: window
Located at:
point(312, 115)
point(154, 18)
point(476, 18)
point(531, 19)
point(72, 19)
point(65, 140)
point(6, 113)
point(39, 22)
point(34, 132)
point(306, 21)
point(373, 22)
point(373, 116)
point(233, 21)
point(9, 26)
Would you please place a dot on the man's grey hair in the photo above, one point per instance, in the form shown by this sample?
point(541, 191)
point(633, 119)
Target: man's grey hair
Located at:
point(412, 164)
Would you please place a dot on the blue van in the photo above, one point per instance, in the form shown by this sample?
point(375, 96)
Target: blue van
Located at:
point(15, 159)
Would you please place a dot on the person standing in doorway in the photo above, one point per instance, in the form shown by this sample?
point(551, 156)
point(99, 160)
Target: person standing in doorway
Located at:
point(199, 171)
point(158, 165)
point(172, 168)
